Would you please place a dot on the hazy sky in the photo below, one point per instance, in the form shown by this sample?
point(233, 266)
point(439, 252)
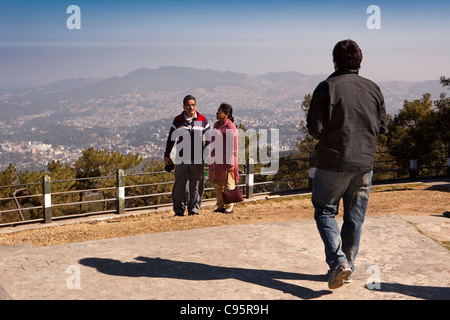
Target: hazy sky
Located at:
point(256, 36)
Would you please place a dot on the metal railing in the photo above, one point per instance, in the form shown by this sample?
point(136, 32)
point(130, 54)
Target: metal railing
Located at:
point(49, 201)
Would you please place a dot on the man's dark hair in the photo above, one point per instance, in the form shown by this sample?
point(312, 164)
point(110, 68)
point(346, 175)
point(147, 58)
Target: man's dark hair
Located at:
point(187, 98)
point(347, 55)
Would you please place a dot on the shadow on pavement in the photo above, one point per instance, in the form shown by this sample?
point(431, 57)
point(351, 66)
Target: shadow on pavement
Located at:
point(164, 268)
point(421, 292)
point(440, 187)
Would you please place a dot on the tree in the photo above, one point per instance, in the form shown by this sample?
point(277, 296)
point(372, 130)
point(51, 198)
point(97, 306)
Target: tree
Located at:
point(442, 117)
point(154, 180)
point(8, 176)
point(421, 131)
point(445, 82)
point(98, 163)
point(412, 126)
point(101, 163)
point(62, 180)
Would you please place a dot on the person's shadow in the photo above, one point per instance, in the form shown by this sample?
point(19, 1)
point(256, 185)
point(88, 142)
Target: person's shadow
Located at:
point(164, 268)
point(421, 292)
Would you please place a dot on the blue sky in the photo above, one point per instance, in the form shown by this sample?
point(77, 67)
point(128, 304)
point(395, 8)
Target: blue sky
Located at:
point(262, 36)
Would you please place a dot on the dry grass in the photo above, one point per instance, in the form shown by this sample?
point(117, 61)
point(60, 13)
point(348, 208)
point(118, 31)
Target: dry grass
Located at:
point(411, 199)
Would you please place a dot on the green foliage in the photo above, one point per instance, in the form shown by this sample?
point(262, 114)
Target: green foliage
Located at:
point(65, 189)
point(98, 163)
point(442, 115)
point(421, 131)
point(445, 82)
point(8, 176)
point(155, 186)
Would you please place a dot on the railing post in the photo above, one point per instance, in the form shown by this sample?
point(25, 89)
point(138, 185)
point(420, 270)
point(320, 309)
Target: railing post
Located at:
point(249, 178)
point(47, 199)
point(120, 192)
point(413, 164)
point(311, 170)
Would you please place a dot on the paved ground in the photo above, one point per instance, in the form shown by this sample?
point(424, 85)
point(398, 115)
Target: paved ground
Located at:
point(282, 260)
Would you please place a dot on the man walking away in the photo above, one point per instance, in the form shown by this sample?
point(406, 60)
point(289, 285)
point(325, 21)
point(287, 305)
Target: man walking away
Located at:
point(347, 113)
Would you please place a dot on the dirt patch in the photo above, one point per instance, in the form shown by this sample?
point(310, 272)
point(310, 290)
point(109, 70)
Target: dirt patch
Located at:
point(416, 199)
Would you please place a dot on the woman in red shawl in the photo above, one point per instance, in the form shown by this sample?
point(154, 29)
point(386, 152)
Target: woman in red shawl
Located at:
point(224, 167)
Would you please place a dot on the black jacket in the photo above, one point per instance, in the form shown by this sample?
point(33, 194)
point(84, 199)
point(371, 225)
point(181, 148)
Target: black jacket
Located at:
point(347, 113)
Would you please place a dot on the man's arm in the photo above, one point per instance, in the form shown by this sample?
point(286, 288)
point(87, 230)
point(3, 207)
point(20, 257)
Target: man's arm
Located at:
point(316, 112)
point(169, 146)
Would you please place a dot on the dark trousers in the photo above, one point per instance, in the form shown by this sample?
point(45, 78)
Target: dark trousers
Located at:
point(188, 178)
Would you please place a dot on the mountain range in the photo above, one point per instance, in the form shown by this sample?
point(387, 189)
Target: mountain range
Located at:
point(133, 113)
point(174, 82)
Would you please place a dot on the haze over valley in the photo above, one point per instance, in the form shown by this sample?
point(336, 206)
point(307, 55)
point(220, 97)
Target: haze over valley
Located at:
point(133, 113)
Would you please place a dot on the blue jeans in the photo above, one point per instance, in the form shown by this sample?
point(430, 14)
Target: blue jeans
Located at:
point(328, 189)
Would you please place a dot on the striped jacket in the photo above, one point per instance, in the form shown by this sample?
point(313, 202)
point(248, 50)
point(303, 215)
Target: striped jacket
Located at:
point(181, 129)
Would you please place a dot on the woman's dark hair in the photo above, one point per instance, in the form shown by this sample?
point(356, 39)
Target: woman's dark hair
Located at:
point(347, 55)
point(228, 110)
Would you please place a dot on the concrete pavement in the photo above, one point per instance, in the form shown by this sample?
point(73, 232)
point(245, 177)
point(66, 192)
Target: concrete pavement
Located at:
point(282, 260)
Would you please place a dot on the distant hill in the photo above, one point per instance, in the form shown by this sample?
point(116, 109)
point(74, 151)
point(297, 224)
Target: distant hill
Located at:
point(269, 89)
point(164, 79)
point(136, 110)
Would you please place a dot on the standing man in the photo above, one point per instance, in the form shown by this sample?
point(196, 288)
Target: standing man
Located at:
point(347, 113)
point(188, 129)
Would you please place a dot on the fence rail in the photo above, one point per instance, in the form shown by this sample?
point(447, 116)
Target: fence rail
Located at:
point(127, 192)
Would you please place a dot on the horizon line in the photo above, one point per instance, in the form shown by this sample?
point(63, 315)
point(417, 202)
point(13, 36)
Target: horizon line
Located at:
point(18, 85)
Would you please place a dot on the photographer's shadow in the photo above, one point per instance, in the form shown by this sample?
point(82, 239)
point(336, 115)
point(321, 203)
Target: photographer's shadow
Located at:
point(164, 268)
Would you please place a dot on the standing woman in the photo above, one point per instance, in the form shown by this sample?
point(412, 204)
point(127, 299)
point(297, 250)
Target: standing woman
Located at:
point(226, 171)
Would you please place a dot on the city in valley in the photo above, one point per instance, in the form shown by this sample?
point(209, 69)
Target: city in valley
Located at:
point(133, 114)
